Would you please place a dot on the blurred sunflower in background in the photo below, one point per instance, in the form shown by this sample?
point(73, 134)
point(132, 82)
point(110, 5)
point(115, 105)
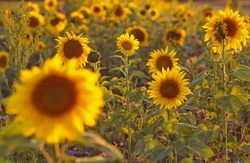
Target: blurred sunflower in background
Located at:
point(36, 20)
point(4, 61)
point(162, 59)
point(60, 96)
point(153, 13)
point(207, 12)
point(97, 10)
point(72, 46)
point(127, 44)
point(140, 34)
point(119, 13)
point(228, 25)
point(34, 6)
point(50, 5)
point(174, 36)
point(56, 23)
point(169, 88)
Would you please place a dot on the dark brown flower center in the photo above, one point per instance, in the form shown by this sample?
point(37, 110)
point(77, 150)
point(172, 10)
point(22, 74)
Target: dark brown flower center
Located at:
point(96, 9)
point(164, 62)
point(169, 89)
point(126, 45)
point(55, 21)
point(119, 11)
point(231, 27)
point(152, 13)
point(72, 49)
point(3, 61)
point(51, 4)
point(54, 96)
point(173, 36)
point(34, 22)
point(139, 35)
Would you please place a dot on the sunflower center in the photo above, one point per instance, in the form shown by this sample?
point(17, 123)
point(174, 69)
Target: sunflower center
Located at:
point(50, 4)
point(169, 89)
point(3, 61)
point(55, 21)
point(139, 35)
point(231, 27)
point(33, 22)
point(54, 96)
point(164, 62)
point(172, 35)
point(118, 11)
point(72, 49)
point(97, 9)
point(152, 13)
point(126, 45)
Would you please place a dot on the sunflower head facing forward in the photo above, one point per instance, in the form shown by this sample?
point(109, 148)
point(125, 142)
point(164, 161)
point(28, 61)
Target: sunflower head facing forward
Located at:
point(72, 46)
point(60, 96)
point(139, 33)
point(162, 59)
point(127, 44)
point(169, 88)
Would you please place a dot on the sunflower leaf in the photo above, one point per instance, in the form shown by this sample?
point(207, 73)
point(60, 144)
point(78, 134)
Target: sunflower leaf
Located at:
point(242, 72)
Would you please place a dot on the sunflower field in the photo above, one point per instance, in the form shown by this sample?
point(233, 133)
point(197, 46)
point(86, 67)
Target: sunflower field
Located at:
point(145, 81)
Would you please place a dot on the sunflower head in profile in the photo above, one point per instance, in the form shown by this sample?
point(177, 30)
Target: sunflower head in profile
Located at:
point(36, 20)
point(227, 25)
point(127, 44)
point(50, 5)
point(72, 46)
point(62, 97)
point(4, 61)
point(140, 34)
point(162, 59)
point(56, 23)
point(169, 88)
point(174, 36)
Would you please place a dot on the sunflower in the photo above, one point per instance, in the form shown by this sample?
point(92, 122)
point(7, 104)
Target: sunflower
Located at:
point(120, 12)
point(140, 34)
point(127, 44)
point(36, 20)
point(162, 59)
point(169, 88)
point(207, 12)
point(34, 6)
point(174, 36)
point(41, 46)
point(97, 10)
point(85, 11)
point(76, 17)
point(50, 4)
point(57, 23)
point(72, 46)
point(62, 97)
point(154, 13)
point(228, 25)
point(4, 61)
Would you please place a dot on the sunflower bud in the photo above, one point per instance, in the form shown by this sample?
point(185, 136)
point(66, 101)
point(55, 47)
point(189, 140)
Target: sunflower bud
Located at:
point(93, 57)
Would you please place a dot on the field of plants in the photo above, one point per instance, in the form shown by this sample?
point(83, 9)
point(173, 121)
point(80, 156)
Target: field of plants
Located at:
point(143, 81)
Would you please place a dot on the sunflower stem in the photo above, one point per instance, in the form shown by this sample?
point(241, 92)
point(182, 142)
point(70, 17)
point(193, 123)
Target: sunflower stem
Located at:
point(45, 154)
point(224, 122)
point(128, 108)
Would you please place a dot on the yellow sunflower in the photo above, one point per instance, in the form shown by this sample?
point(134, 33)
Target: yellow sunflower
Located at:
point(97, 10)
point(72, 46)
point(120, 12)
point(56, 23)
point(36, 20)
point(127, 44)
point(85, 11)
point(41, 46)
point(55, 102)
point(174, 36)
point(4, 61)
point(154, 13)
point(50, 5)
point(169, 88)
point(207, 12)
point(227, 24)
point(162, 59)
point(34, 6)
point(140, 34)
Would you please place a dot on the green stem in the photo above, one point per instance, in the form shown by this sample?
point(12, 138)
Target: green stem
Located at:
point(128, 108)
point(224, 122)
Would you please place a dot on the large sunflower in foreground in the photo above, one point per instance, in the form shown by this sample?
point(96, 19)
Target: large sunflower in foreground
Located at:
point(162, 59)
point(55, 102)
point(228, 25)
point(174, 36)
point(4, 61)
point(72, 46)
point(140, 34)
point(169, 88)
point(127, 44)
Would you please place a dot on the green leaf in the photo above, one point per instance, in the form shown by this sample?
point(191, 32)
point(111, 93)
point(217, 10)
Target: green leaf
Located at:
point(246, 147)
point(240, 93)
point(94, 140)
point(119, 119)
point(139, 74)
point(187, 160)
point(117, 69)
point(199, 78)
point(170, 126)
point(242, 72)
point(199, 148)
point(117, 56)
point(134, 60)
point(161, 154)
